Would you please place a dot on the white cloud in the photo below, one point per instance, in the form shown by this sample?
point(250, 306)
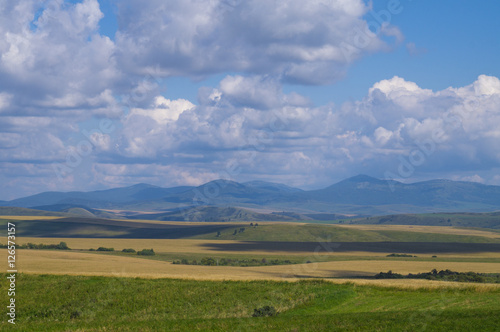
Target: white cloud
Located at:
point(471, 178)
point(165, 110)
point(59, 58)
point(487, 85)
point(5, 99)
point(311, 42)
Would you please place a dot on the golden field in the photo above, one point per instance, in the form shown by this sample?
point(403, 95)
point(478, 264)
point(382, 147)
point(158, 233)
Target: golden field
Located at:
point(345, 265)
point(202, 247)
point(80, 263)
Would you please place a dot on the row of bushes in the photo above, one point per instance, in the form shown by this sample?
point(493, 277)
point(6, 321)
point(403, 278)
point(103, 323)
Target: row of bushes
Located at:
point(102, 249)
point(29, 245)
point(400, 255)
point(144, 252)
point(210, 261)
point(445, 275)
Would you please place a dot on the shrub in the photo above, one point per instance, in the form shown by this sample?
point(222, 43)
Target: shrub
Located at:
point(400, 255)
point(266, 311)
point(208, 261)
point(105, 249)
point(75, 314)
point(128, 250)
point(146, 252)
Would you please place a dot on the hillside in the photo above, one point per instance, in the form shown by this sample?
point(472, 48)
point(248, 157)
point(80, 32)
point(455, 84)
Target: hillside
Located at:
point(17, 211)
point(482, 220)
point(213, 213)
point(82, 227)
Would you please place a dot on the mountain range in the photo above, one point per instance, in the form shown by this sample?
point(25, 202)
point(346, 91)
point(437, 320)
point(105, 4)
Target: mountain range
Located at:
point(357, 196)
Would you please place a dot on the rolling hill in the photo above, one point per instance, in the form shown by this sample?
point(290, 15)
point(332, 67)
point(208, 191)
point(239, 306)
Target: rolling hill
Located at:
point(482, 220)
point(17, 211)
point(213, 213)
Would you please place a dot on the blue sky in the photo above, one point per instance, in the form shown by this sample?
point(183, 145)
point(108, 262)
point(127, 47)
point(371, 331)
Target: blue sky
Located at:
point(100, 94)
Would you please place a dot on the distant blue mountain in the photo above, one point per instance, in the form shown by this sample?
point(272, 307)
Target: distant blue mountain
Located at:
point(98, 199)
point(358, 195)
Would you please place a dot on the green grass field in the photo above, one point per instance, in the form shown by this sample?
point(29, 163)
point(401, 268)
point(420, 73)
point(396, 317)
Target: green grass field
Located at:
point(313, 232)
point(74, 303)
point(484, 220)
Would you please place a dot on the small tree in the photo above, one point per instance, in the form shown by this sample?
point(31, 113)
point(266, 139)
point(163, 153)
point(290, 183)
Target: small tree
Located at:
point(235, 232)
point(63, 246)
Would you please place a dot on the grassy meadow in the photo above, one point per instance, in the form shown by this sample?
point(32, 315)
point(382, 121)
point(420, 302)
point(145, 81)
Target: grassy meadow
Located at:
point(90, 303)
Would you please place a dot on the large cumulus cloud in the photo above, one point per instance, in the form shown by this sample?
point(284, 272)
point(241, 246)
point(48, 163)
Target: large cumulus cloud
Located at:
point(53, 58)
point(282, 136)
point(309, 42)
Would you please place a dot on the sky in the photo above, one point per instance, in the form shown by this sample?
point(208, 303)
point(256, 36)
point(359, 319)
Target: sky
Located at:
point(104, 94)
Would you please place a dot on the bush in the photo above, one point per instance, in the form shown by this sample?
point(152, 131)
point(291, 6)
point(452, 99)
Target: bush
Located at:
point(105, 249)
point(208, 261)
point(128, 250)
point(146, 252)
point(266, 311)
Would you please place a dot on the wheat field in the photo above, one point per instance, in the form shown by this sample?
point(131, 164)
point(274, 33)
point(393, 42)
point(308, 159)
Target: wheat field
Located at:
point(203, 247)
point(78, 263)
